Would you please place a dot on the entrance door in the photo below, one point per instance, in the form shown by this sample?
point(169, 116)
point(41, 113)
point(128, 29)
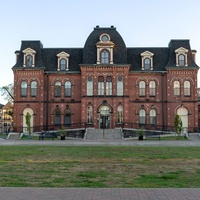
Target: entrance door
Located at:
point(104, 122)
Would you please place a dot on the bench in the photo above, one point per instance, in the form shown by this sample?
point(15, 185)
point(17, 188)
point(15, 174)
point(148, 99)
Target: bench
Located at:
point(152, 134)
point(44, 135)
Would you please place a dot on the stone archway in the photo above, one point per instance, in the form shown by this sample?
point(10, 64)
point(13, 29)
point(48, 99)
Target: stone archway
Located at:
point(26, 110)
point(183, 113)
point(104, 122)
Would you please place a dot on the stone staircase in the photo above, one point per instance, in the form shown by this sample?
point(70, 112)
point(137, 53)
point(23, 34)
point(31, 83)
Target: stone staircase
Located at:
point(103, 134)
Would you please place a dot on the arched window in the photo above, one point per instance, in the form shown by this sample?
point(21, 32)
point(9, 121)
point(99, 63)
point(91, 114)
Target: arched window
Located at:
point(108, 85)
point(89, 114)
point(152, 117)
point(67, 88)
point(63, 64)
point(23, 88)
point(181, 60)
point(89, 86)
point(147, 64)
point(67, 118)
point(33, 88)
point(57, 117)
point(142, 115)
point(187, 88)
point(176, 88)
point(119, 114)
point(142, 88)
point(152, 88)
point(105, 56)
point(29, 61)
point(100, 85)
point(57, 89)
point(120, 86)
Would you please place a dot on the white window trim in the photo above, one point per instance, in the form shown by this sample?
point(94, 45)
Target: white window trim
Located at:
point(27, 52)
point(179, 51)
point(60, 56)
point(147, 54)
point(108, 45)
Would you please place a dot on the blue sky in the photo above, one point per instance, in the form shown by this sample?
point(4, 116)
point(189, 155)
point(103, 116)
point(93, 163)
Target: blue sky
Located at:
point(67, 23)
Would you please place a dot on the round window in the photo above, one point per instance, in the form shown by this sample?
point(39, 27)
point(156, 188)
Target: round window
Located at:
point(104, 38)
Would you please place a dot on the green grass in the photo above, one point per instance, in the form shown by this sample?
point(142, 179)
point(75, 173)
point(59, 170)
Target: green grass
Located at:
point(99, 166)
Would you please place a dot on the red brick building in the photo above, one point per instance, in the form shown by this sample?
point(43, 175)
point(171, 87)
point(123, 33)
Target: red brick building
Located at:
point(105, 84)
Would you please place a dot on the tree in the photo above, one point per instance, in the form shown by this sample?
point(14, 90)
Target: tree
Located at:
point(28, 122)
point(178, 124)
point(8, 92)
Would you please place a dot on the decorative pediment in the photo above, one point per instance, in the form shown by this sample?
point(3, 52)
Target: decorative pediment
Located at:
point(63, 55)
point(29, 51)
point(181, 50)
point(147, 54)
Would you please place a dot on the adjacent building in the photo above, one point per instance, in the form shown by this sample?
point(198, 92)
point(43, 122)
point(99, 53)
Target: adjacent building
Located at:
point(105, 84)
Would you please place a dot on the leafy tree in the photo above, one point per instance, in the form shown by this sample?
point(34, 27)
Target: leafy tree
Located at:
point(28, 122)
point(178, 124)
point(8, 92)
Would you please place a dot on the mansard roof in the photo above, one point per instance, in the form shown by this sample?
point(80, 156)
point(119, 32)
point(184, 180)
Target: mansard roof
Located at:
point(90, 52)
point(174, 45)
point(163, 57)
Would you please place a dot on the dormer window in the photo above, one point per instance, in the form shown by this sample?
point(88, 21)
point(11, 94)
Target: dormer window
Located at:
point(181, 57)
point(29, 61)
point(63, 61)
point(105, 56)
point(29, 57)
point(181, 60)
point(63, 64)
point(147, 60)
point(105, 50)
point(147, 64)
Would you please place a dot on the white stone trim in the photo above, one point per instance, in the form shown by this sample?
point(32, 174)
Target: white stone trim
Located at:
point(60, 56)
point(29, 51)
point(179, 51)
point(147, 54)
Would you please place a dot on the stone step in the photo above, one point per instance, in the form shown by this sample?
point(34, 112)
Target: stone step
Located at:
point(103, 134)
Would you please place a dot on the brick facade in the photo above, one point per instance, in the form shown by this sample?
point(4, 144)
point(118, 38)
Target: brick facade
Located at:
point(50, 111)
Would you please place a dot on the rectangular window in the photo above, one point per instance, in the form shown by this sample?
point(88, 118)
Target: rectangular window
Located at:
point(33, 92)
point(142, 92)
point(108, 88)
point(152, 120)
point(101, 88)
point(152, 92)
point(23, 92)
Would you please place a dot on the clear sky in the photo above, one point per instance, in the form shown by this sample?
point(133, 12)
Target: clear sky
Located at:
point(68, 23)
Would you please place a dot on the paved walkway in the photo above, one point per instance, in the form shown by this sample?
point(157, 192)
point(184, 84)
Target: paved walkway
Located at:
point(98, 194)
point(101, 193)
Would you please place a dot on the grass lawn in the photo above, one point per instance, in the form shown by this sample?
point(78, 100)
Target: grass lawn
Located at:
point(99, 166)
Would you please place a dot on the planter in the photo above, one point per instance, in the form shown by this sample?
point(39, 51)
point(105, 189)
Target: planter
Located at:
point(62, 137)
point(140, 137)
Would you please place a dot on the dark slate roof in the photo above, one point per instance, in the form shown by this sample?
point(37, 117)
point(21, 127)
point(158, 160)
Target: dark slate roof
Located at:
point(36, 46)
point(175, 44)
point(164, 57)
point(160, 58)
point(90, 50)
point(51, 60)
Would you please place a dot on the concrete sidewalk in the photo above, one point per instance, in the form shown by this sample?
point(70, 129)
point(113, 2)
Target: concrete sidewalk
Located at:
point(98, 194)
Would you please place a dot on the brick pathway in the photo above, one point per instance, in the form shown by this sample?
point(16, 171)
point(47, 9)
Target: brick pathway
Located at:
point(98, 194)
